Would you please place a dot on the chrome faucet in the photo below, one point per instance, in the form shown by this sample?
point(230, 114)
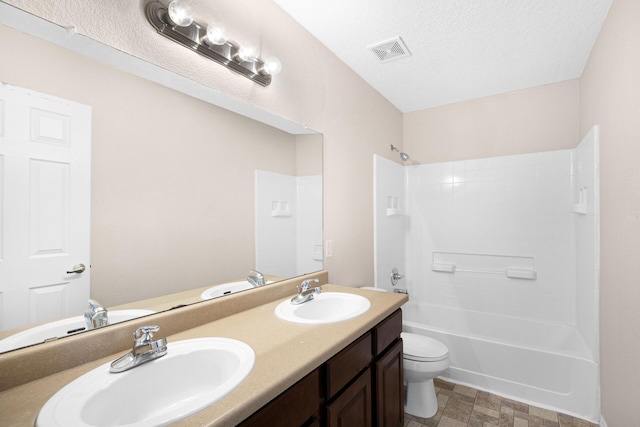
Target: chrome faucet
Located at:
point(96, 315)
point(255, 278)
point(145, 349)
point(304, 293)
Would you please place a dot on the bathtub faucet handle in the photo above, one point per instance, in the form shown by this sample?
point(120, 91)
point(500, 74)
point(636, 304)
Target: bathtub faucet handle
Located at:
point(395, 276)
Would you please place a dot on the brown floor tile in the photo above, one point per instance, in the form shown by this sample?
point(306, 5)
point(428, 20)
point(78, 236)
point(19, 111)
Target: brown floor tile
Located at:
point(534, 420)
point(475, 422)
point(569, 421)
point(488, 400)
point(517, 406)
point(486, 414)
point(458, 410)
point(543, 413)
point(464, 390)
point(506, 420)
point(442, 400)
point(519, 422)
point(462, 406)
point(506, 409)
point(450, 422)
point(443, 384)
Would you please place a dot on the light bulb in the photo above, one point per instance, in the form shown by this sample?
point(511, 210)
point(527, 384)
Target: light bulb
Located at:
point(180, 13)
point(248, 53)
point(272, 66)
point(216, 34)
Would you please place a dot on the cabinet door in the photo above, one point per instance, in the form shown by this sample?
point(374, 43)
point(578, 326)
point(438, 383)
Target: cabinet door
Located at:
point(353, 407)
point(390, 388)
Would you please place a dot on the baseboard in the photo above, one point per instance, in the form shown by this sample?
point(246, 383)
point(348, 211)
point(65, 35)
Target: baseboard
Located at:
point(602, 422)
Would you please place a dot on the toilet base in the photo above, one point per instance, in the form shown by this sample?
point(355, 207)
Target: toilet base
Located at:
point(421, 399)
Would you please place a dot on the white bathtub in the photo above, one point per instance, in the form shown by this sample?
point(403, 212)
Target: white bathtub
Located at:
point(544, 364)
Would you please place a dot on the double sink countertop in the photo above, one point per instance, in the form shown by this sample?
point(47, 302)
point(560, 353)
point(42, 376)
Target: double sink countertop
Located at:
point(285, 353)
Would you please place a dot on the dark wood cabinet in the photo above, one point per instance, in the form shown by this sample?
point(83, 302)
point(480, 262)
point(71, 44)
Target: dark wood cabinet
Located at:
point(361, 386)
point(299, 406)
point(389, 393)
point(353, 407)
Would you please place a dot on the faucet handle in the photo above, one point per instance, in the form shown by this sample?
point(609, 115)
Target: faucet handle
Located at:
point(144, 334)
point(256, 278)
point(304, 286)
point(256, 273)
point(95, 315)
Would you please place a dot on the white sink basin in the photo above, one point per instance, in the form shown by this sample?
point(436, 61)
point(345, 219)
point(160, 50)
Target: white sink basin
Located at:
point(63, 328)
point(227, 289)
point(191, 376)
point(327, 307)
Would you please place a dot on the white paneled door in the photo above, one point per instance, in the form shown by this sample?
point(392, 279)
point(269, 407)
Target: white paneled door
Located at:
point(45, 165)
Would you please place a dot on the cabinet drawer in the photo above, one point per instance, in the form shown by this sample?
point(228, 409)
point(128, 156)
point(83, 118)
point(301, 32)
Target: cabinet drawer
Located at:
point(345, 366)
point(387, 331)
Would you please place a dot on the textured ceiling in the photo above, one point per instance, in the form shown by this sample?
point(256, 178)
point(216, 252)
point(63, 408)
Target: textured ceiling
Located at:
point(460, 49)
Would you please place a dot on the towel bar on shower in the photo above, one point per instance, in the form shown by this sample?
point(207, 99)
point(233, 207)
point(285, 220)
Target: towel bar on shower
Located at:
point(512, 273)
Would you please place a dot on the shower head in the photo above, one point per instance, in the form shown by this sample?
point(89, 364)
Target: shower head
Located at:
point(403, 156)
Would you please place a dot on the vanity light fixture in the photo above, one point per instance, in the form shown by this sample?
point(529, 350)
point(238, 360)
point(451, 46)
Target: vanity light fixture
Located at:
point(176, 23)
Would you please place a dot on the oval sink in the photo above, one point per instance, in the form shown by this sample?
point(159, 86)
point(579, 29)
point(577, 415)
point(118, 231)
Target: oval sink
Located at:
point(227, 289)
point(191, 376)
point(327, 307)
point(63, 328)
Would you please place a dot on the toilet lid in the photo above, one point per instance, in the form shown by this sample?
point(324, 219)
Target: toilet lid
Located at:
point(423, 349)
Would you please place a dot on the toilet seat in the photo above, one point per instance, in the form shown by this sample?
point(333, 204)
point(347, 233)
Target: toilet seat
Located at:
point(423, 349)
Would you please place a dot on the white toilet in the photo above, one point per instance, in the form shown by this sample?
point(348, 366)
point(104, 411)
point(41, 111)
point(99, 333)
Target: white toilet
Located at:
point(424, 358)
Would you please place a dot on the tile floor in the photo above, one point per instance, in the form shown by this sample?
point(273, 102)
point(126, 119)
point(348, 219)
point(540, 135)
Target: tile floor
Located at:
point(460, 406)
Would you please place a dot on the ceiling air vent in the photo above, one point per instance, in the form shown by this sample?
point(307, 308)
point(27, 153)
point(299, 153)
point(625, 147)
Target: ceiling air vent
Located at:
point(391, 49)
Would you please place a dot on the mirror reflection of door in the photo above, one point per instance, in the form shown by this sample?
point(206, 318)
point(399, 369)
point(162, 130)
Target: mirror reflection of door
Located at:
point(45, 149)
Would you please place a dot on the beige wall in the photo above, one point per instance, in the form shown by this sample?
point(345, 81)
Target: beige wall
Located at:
point(172, 177)
point(314, 88)
point(533, 120)
point(309, 154)
point(610, 97)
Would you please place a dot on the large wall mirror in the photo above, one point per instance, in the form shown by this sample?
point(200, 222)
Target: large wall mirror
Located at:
point(185, 195)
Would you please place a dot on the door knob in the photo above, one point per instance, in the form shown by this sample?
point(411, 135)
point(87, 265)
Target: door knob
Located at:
point(78, 268)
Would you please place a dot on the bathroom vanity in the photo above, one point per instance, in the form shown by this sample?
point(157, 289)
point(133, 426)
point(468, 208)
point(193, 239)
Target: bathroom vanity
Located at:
point(303, 374)
point(362, 385)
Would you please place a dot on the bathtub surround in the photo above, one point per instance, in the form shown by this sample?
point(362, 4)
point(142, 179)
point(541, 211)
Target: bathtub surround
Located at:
point(389, 221)
point(501, 267)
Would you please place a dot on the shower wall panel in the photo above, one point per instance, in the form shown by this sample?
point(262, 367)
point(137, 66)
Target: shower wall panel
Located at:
point(288, 224)
point(390, 210)
point(511, 206)
point(586, 198)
